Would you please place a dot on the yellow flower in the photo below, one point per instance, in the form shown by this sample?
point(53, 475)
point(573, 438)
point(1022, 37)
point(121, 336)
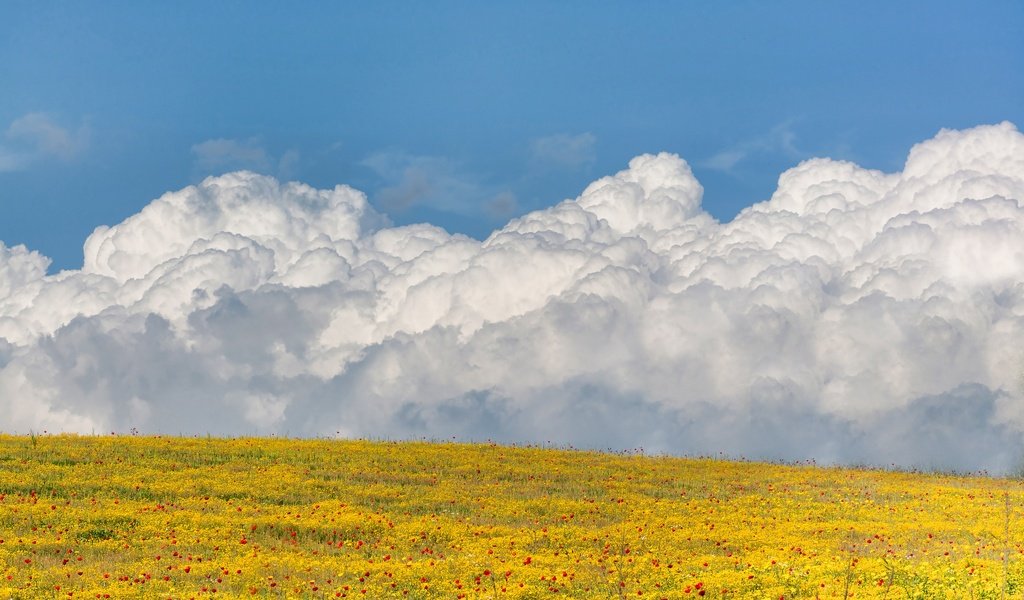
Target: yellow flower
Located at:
point(187, 517)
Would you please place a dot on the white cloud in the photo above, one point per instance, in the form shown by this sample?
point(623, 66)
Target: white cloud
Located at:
point(856, 316)
point(564, 150)
point(34, 137)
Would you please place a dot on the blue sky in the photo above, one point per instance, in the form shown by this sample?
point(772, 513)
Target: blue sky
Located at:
point(465, 114)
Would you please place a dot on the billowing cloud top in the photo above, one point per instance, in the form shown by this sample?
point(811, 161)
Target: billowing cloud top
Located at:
point(856, 316)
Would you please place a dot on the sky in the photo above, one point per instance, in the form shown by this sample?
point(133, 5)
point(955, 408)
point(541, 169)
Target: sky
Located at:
point(465, 114)
point(785, 231)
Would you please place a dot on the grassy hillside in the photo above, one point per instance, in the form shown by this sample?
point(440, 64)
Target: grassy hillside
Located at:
point(118, 517)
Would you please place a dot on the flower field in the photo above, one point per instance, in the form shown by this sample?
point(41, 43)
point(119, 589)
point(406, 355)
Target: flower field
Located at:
point(152, 517)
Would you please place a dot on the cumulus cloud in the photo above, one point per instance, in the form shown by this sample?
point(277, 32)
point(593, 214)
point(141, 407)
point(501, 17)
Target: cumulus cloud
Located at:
point(856, 316)
point(564, 151)
point(37, 136)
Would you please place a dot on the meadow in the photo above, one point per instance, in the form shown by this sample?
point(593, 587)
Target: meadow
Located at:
point(158, 517)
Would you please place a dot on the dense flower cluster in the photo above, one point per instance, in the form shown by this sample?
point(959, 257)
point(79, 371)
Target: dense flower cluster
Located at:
point(116, 517)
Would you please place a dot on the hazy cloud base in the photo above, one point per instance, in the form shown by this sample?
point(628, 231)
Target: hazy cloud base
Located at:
point(856, 316)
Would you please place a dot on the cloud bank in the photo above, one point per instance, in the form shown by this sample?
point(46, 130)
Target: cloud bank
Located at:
point(856, 316)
